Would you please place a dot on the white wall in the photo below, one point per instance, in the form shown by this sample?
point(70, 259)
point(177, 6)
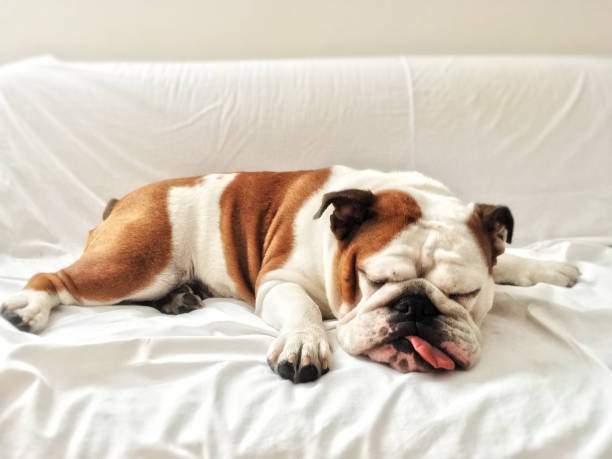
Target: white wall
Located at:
point(231, 29)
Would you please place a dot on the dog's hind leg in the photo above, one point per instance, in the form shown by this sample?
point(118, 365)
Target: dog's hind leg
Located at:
point(128, 257)
point(93, 279)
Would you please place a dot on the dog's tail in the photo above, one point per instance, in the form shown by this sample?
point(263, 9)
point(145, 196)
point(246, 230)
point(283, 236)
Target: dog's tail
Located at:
point(109, 208)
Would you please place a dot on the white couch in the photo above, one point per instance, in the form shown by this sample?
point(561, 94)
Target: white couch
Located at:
point(119, 381)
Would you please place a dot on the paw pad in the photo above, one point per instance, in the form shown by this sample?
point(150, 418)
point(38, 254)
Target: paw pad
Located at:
point(15, 319)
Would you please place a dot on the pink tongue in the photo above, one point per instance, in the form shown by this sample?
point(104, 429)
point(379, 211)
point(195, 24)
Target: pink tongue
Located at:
point(432, 355)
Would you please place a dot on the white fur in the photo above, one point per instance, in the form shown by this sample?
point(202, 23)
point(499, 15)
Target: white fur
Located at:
point(197, 247)
point(514, 270)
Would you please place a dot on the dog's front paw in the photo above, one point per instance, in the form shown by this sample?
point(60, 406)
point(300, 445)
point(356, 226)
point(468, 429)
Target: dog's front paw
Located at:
point(300, 355)
point(554, 272)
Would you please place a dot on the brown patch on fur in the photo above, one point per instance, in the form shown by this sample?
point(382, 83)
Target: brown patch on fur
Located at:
point(257, 214)
point(45, 281)
point(125, 253)
point(392, 211)
point(53, 283)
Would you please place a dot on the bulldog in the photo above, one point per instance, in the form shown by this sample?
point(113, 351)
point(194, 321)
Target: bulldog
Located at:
point(406, 268)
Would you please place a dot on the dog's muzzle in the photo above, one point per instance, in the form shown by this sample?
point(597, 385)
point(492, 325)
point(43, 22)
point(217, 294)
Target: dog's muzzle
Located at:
point(413, 311)
point(417, 328)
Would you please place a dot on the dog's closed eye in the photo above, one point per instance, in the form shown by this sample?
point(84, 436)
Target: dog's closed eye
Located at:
point(374, 283)
point(464, 296)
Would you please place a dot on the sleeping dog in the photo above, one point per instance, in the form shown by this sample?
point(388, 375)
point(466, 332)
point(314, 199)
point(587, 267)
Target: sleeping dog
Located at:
point(406, 268)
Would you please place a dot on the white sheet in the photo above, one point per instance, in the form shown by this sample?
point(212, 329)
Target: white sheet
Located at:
point(123, 381)
point(118, 381)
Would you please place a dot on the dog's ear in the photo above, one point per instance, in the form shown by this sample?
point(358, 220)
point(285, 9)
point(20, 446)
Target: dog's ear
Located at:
point(498, 224)
point(351, 208)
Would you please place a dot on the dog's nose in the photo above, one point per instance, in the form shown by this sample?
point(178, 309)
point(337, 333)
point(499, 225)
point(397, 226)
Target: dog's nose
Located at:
point(415, 307)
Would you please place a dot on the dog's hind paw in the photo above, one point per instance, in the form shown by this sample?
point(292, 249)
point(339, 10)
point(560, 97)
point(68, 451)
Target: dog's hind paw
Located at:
point(185, 298)
point(28, 310)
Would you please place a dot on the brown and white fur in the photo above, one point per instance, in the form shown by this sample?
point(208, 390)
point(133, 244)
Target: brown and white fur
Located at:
point(252, 236)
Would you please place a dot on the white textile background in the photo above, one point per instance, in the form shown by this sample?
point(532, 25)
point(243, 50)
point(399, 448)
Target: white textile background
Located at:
point(531, 133)
point(117, 381)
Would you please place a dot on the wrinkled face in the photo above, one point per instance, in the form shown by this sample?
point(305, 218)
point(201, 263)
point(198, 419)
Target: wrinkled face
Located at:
point(415, 298)
point(421, 300)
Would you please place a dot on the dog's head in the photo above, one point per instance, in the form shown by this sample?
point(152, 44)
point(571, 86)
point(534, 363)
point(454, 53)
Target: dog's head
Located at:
point(412, 275)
